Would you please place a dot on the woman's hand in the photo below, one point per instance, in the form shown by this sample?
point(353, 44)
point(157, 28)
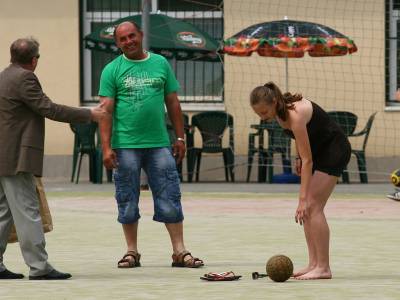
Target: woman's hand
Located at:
point(301, 212)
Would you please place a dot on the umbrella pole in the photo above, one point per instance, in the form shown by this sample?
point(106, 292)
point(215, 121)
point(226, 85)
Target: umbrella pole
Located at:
point(287, 73)
point(145, 23)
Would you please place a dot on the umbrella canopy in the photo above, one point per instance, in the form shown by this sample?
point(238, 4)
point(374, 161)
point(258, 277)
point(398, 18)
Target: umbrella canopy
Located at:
point(288, 38)
point(167, 36)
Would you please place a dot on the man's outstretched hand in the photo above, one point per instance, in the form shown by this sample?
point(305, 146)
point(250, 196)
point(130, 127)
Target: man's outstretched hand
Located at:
point(98, 112)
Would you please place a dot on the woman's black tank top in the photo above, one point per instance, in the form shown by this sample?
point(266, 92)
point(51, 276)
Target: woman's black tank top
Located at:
point(321, 129)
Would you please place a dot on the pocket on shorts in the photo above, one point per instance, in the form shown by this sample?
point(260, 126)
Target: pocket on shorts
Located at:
point(173, 182)
point(123, 187)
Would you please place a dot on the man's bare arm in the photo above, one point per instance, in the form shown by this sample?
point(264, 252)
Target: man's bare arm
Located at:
point(175, 115)
point(105, 125)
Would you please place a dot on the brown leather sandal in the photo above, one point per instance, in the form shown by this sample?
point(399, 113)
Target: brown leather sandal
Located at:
point(132, 258)
point(224, 276)
point(178, 260)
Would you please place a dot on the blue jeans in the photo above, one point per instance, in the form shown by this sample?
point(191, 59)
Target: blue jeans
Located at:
point(160, 167)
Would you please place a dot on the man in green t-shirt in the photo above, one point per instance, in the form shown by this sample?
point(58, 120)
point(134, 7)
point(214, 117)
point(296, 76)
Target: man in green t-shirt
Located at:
point(134, 88)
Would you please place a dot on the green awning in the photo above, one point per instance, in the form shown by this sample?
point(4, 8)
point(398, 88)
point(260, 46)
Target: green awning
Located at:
point(168, 36)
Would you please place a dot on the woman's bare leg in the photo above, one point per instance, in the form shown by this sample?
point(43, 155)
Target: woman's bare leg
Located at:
point(312, 252)
point(316, 226)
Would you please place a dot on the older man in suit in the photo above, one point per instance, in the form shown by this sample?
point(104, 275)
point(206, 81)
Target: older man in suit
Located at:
point(23, 109)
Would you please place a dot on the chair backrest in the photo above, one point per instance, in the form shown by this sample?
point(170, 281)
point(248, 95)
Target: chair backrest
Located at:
point(345, 119)
point(188, 132)
point(186, 125)
point(212, 125)
point(85, 134)
point(278, 140)
point(366, 130)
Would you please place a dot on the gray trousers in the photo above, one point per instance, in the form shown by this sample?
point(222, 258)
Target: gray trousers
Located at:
point(19, 204)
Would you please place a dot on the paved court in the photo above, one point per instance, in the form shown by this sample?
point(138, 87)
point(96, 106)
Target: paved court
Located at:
point(233, 227)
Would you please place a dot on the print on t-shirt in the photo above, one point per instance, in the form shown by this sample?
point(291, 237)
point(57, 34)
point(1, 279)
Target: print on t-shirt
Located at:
point(140, 84)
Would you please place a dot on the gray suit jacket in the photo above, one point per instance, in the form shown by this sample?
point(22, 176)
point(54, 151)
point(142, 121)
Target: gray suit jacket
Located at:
point(23, 108)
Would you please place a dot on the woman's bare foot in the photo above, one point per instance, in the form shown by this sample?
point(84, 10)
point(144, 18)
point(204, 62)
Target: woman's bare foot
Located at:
point(302, 271)
point(317, 273)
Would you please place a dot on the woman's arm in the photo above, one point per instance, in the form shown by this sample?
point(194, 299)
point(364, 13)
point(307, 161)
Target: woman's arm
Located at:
point(297, 162)
point(298, 125)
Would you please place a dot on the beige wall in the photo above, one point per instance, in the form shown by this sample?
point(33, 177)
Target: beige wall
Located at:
point(353, 82)
point(56, 25)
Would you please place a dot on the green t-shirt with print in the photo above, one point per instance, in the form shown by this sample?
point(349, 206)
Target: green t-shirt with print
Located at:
point(138, 88)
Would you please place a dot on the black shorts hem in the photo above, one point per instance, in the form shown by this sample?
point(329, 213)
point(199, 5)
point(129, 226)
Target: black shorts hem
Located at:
point(330, 171)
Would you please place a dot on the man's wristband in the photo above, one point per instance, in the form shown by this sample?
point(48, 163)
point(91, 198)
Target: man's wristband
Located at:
point(180, 139)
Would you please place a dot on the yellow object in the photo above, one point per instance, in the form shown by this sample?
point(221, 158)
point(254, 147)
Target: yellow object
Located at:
point(395, 177)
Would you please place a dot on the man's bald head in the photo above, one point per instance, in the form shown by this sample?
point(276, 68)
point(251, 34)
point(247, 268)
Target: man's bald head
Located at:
point(129, 39)
point(24, 50)
point(126, 23)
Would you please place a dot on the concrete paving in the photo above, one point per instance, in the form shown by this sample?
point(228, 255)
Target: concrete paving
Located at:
point(222, 187)
point(231, 228)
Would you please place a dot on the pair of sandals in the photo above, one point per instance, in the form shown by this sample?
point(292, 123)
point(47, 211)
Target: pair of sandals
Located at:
point(224, 276)
point(132, 260)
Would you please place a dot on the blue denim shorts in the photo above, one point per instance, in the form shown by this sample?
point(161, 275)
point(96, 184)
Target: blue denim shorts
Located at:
point(163, 178)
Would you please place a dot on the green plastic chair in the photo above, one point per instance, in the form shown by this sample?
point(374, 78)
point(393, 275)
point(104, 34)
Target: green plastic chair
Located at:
point(212, 126)
point(360, 153)
point(278, 142)
point(84, 143)
point(252, 150)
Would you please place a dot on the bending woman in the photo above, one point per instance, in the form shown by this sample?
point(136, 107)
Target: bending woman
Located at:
point(323, 152)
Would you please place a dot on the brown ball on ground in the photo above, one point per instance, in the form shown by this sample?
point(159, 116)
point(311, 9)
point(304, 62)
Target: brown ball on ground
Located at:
point(279, 268)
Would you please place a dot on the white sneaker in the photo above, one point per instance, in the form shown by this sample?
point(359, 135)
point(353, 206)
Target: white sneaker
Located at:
point(395, 196)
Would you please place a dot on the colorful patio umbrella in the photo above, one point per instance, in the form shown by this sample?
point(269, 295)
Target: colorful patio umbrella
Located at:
point(289, 39)
point(167, 36)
